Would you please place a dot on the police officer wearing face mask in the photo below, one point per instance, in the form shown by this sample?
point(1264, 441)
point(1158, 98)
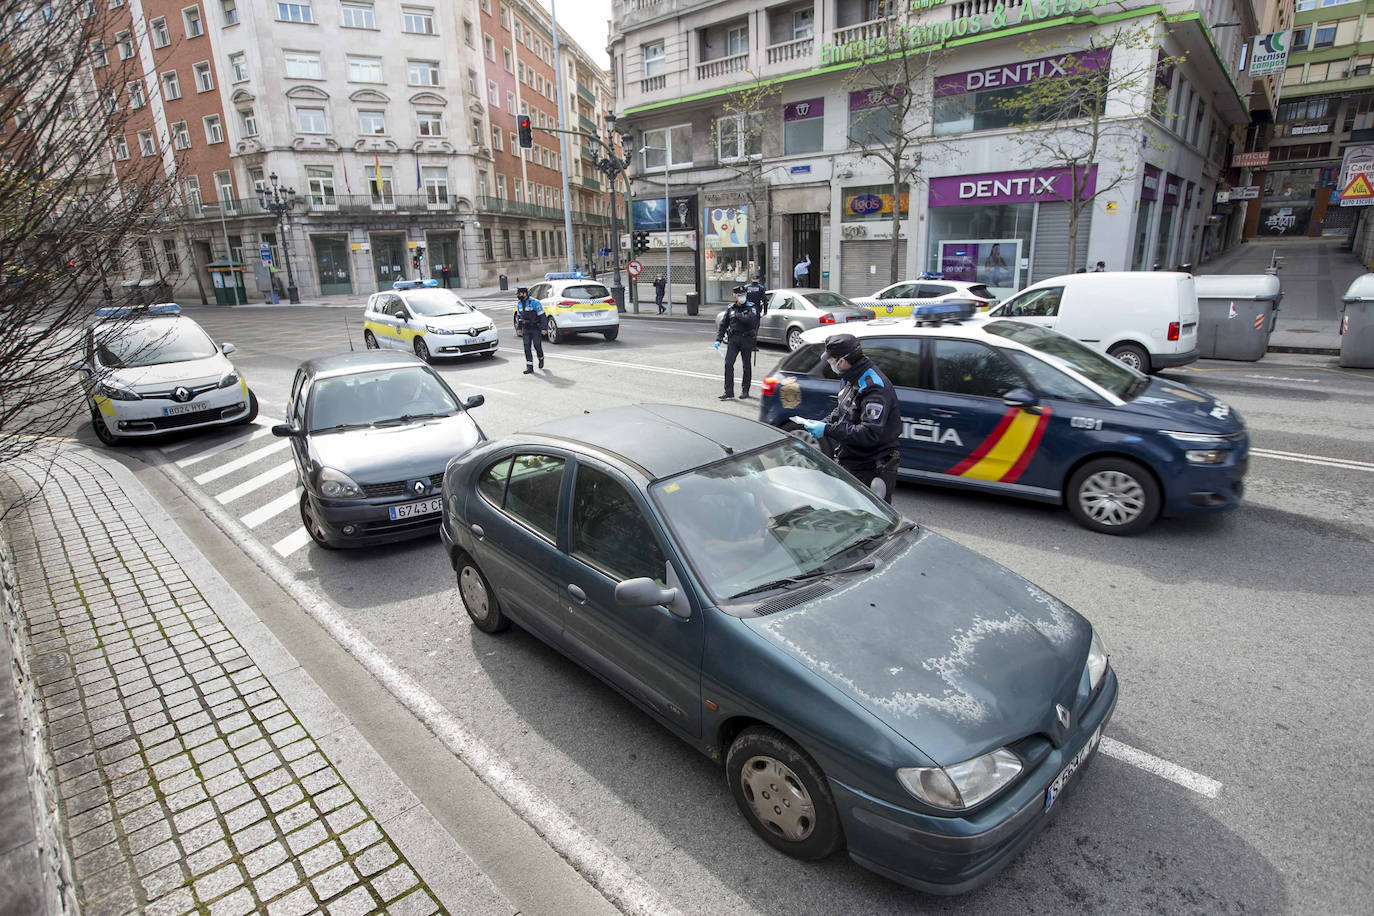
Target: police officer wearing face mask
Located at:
point(529, 318)
point(866, 424)
point(739, 327)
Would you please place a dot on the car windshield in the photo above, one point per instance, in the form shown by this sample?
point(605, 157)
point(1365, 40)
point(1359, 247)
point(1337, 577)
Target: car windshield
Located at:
point(826, 300)
point(381, 397)
point(153, 343)
point(781, 512)
point(1109, 373)
point(585, 291)
point(436, 303)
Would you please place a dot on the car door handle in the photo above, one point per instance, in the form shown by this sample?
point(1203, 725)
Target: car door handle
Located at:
point(577, 594)
point(943, 412)
point(477, 532)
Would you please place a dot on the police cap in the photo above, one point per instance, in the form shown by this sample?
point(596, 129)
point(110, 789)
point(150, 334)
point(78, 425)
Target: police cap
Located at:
point(522, 291)
point(739, 289)
point(843, 346)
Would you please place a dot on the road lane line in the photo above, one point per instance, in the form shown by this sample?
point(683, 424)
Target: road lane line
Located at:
point(218, 448)
point(486, 388)
point(274, 508)
point(715, 377)
point(1343, 463)
point(1195, 782)
point(224, 470)
point(256, 483)
point(292, 542)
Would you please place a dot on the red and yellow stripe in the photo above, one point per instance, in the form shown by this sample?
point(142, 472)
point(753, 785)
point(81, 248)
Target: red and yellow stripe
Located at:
point(1006, 451)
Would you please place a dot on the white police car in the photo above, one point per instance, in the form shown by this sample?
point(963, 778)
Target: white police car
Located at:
point(1009, 407)
point(419, 317)
point(150, 370)
point(576, 305)
point(897, 300)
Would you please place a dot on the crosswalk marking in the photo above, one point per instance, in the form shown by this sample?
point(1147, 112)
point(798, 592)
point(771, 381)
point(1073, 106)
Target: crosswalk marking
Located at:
point(275, 507)
point(256, 483)
point(218, 448)
point(292, 542)
point(229, 467)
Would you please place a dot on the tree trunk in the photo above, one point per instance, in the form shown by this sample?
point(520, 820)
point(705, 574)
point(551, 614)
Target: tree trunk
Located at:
point(1073, 232)
point(894, 266)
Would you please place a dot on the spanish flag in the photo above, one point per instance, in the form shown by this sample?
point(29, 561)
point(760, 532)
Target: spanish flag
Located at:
point(377, 172)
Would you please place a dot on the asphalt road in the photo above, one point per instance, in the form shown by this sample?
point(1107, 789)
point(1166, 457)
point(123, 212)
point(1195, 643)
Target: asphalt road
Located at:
point(1242, 642)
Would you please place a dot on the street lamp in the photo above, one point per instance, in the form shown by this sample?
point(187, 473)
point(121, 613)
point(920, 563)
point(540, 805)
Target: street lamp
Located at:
point(667, 152)
point(611, 165)
point(278, 201)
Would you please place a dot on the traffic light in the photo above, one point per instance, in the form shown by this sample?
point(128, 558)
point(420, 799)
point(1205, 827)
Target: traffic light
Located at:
point(417, 257)
point(526, 132)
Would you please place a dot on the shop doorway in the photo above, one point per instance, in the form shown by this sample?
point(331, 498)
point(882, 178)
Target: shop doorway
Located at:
point(388, 258)
point(443, 252)
point(806, 243)
point(331, 262)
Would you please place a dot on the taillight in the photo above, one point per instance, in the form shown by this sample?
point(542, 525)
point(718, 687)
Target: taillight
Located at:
point(568, 302)
point(608, 301)
point(1173, 330)
point(827, 318)
point(770, 386)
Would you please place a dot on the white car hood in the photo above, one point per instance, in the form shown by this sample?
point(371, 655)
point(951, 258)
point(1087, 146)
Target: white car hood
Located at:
point(459, 322)
point(191, 372)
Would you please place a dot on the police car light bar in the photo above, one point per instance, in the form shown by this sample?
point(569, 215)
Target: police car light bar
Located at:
point(564, 275)
point(931, 275)
point(943, 311)
point(132, 311)
point(414, 284)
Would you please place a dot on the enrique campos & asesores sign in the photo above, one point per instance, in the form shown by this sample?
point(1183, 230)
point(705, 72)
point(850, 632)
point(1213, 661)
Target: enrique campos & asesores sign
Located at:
point(922, 35)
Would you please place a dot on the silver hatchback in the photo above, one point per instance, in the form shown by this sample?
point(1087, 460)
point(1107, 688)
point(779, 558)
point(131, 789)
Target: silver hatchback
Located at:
point(791, 312)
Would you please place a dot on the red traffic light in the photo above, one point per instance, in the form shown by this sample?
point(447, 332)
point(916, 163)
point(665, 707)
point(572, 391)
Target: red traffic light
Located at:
point(526, 132)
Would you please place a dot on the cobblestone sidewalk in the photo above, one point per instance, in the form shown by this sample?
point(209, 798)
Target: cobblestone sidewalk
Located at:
point(185, 783)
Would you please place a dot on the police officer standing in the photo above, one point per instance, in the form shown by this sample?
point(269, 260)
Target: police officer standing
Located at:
point(739, 326)
point(529, 319)
point(867, 422)
point(756, 295)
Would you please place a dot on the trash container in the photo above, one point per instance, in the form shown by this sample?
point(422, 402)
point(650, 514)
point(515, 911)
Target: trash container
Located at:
point(1357, 324)
point(1236, 315)
point(505, 283)
point(693, 303)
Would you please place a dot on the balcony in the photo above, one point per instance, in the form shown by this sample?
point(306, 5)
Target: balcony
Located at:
point(590, 182)
point(863, 31)
point(721, 66)
point(586, 94)
point(517, 208)
point(364, 203)
point(792, 51)
point(593, 219)
point(653, 83)
point(587, 124)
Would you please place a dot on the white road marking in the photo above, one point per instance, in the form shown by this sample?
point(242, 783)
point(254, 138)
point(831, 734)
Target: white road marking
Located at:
point(487, 388)
point(1195, 782)
point(224, 470)
point(1285, 378)
point(218, 448)
point(292, 542)
point(256, 483)
point(274, 508)
point(715, 377)
point(1346, 464)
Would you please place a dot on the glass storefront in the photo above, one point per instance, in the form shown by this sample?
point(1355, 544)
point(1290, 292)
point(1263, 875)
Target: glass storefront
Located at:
point(1001, 225)
point(730, 262)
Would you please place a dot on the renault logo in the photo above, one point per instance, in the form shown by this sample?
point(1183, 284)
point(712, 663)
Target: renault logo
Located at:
point(418, 487)
point(1063, 714)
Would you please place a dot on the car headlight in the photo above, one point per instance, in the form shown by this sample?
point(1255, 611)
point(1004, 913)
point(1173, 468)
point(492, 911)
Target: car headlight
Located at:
point(1097, 661)
point(109, 388)
point(433, 330)
point(1201, 448)
point(962, 785)
point(230, 379)
point(337, 485)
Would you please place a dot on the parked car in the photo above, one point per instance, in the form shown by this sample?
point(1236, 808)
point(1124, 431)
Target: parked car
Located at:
point(897, 300)
point(370, 434)
point(575, 305)
point(418, 317)
point(866, 682)
point(1146, 319)
point(149, 370)
point(792, 311)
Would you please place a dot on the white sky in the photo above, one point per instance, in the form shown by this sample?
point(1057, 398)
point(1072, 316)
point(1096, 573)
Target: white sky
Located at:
point(586, 21)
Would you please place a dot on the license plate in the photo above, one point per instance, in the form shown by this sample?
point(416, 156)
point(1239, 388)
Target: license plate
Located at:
point(410, 510)
point(1070, 768)
point(178, 409)
point(593, 314)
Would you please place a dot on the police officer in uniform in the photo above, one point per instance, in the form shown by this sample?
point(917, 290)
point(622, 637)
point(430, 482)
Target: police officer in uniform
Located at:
point(757, 296)
point(740, 328)
point(866, 424)
point(529, 319)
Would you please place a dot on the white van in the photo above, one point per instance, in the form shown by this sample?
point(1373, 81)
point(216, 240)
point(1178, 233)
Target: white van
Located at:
point(1146, 319)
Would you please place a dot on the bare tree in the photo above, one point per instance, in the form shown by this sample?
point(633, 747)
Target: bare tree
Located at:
point(891, 108)
point(738, 134)
point(73, 201)
point(1093, 108)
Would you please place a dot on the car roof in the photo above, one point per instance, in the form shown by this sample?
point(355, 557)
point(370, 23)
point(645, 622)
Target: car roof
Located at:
point(661, 439)
point(358, 361)
point(974, 329)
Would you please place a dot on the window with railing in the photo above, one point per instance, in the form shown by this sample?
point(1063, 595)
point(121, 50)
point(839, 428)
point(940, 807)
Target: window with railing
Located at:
point(380, 180)
point(435, 180)
point(320, 182)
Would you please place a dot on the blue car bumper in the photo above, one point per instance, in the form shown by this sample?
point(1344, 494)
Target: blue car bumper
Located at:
point(953, 855)
point(1191, 489)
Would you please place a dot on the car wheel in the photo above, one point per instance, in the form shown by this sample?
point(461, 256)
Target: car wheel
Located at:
point(555, 335)
point(1131, 355)
point(370, 341)
point(317, 533)
point(478, 598)
point(421, 349)
point(612, 334)
point(252, 410)
point(783, 794)
point(102, 432)
point(1113, 496)
point(794, 338)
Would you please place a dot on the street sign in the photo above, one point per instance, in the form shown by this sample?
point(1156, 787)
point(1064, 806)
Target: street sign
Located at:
point(1358, 192)
point(1270, 54)
point(1250, 160)
point(1247, 192)
point(634, 268)
point(1357, 173)
point(603, 252)
point(265, 252)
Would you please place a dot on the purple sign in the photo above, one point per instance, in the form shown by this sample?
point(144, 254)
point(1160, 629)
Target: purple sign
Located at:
point(1008, 187)
point(800, 111)
point(874, 98)
point(1171, 183)
point(1004, 76)
point(1149, 184)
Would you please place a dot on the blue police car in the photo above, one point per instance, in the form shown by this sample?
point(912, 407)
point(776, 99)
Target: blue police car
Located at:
point(1008, 407)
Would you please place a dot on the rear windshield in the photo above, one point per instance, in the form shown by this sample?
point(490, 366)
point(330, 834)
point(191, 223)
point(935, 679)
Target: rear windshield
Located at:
point(585, 291)
point(826, 300)
point(1112, 374)
point(979, 289)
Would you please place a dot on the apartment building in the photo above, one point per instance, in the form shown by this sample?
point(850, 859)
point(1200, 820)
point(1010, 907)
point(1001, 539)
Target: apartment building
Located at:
point(675, 63)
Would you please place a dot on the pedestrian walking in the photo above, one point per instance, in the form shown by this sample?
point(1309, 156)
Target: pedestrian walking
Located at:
point(801, 272)
point(756, 296)
point(443, 272)
point(660, 284)
point(866, 424)
point(531, 320)
point(739, 328)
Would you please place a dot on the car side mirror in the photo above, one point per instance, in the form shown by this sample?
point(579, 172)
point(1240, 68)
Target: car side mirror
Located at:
point(287, 431)
point(228, 348)
point(645, 592)
point(1023, 399)
point(477, 400)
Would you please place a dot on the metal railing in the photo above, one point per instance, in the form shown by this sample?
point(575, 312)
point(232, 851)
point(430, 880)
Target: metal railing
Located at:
point(587, 124)
point(586, 93)
point(721, 66)
point(365, 203)
point(589, 181)
point(800, 49)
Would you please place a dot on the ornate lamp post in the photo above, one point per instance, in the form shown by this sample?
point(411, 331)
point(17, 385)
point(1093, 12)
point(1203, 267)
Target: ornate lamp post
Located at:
point(613, 165)
point(278, 201)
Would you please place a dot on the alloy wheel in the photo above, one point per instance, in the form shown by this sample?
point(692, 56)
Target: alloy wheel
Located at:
point(1112, 498)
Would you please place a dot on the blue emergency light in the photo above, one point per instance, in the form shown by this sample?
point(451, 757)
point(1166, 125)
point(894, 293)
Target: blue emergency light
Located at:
point(931, 275)
point(564, 275)
point(415, 284)
point(943, 311)
point(136, 311)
